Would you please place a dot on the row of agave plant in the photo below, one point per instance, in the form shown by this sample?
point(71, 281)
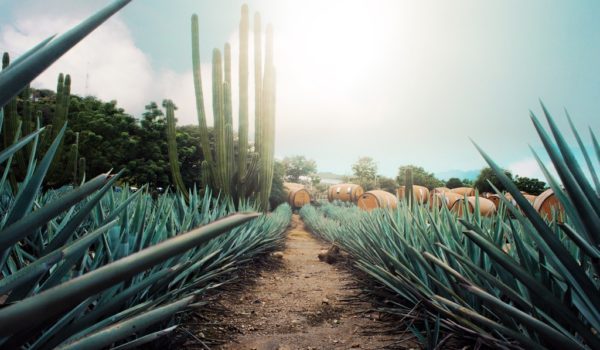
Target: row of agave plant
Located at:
point(509, 281)
point(88, 267)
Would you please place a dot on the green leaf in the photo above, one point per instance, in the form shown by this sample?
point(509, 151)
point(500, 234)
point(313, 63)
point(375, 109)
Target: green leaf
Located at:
point(13, 80)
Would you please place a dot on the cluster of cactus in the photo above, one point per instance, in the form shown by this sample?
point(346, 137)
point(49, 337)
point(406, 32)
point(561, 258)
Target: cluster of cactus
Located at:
point(251, 174)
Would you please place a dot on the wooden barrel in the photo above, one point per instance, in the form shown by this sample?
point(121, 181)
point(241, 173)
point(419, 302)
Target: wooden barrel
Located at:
point(297, 195)
point(496, 198)
point(421, 193)
point(464, 191)
point(446, 198)
point(440, 190)
point(345, 192)
point(377, 199)
point(486, 206)
point(546, 203)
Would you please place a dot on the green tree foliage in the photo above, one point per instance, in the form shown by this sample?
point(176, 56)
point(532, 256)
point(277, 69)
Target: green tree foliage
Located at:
point(365, 172)
point(298, 166)
point(420, 177)
point(467, 182)
point(454, 182)
point(487, 174)
point(530, 185)
point(387, 184)
point(109, 138)
point(278, 195)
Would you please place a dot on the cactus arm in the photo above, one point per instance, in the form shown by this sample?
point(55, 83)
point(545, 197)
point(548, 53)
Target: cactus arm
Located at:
point(243, 106)
point(172, 149)
point(200, 111)
point(257, 81)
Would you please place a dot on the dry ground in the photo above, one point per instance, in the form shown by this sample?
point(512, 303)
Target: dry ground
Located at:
point(298, 303)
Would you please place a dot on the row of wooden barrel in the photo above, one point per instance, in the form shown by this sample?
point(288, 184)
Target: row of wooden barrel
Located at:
point(546, 203)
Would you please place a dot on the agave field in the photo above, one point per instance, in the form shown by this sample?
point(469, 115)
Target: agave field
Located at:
point(512, 280)
point(101, 264)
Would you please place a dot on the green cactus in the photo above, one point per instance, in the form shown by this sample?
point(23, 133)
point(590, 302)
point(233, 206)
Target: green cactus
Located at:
point(220, 122)
point(408, 186)
point(204, 139)
point(172, 148)
point(249, 174)
point(75, 152)
point(243, 106)
point(257, 81)
point(60, 117)
point(267, 143)
point(81, 170)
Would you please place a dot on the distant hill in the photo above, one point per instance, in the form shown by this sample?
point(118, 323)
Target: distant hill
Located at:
point(330, 178)
point(461, 174)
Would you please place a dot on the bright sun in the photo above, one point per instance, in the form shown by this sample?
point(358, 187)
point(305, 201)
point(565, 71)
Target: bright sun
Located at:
point(334, 42)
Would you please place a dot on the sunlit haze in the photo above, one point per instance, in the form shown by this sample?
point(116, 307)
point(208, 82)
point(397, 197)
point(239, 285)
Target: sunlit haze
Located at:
point(405, 82)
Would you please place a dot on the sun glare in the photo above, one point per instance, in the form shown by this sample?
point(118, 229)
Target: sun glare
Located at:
point(332, 43)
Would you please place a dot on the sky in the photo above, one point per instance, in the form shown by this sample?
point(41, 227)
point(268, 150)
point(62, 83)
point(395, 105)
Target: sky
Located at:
point(404, 82)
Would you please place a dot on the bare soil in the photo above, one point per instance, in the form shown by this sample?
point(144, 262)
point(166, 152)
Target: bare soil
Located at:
point(299, 302)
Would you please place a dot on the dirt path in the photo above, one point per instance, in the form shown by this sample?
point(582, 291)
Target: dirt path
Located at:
point(300, 305)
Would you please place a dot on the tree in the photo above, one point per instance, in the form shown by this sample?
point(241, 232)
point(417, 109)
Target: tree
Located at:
point(420, 177)
point(487, 174)
point(365, 168)
point(278, 194)
point(387, 184)
point(298, 166)
point(530, 185)
point(454, 182)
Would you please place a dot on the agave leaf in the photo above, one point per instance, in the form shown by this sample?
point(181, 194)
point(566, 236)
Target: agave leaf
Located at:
point(596, 144)
point(124, 329)
point(25, 226)
point(12, 149)
point(67, 254)
point(551, 335)
point(572, 166)
point(104, 309)
point(55, 300)
point(73, 253)
point(13, 80)
point(587, 207)
point(30, 273)
point(585, 153)
point(146, 339)
point(508, 291)
point(66, 231)
point(30, 52)
point(27, 193)
point(553, 248)
point(543, 298)
point(489, 323)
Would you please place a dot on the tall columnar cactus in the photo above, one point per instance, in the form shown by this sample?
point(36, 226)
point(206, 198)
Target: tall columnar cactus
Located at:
point(60, 117)
point(172, 147)
point(408, 185)
point(257, 81)
point(243, 105)
point(81, 169)
point(220, 123)
point(249, 174)
point(75, 152)
point(204, 139)
point(267, 124)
